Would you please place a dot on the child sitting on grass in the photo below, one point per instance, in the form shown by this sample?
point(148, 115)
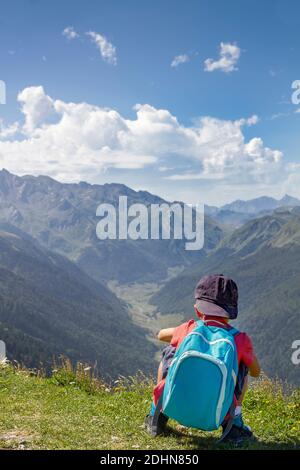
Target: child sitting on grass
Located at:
point(216, 303)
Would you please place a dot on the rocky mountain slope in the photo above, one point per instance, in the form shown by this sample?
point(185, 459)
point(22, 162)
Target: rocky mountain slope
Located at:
point(49, 307)
point(239, 212)
point(62, 217)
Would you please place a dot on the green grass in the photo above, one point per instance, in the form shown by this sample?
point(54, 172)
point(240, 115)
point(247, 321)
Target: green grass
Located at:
point(72, 410)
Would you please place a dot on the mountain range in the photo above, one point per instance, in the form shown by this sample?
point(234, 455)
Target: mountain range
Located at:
point(239, 212)
point(54, 300)
point(54, 272)
point(62, 217)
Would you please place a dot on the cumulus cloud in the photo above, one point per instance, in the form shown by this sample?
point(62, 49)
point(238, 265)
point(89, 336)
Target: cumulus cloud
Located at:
point(229, 56)
point(36, 106)
point(107, 50)
point(70, 33)
point(251, 121)
point(75, 141)
point(8, 131)
point(179, 59)
point(222, 152)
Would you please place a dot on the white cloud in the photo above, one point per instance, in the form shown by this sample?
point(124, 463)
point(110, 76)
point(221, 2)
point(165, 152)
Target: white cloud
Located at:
point(179, 59)
point(165, 168)
point(278, 115)
point(70, 33)
point(7, 132)
point(107, 50)
point(36, 107)
point(229, 56)
point(251, 121)
point(223, 153)
point(75, 141)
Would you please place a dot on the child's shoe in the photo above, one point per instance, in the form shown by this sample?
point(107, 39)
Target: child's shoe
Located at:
point(156, 429)
point(239, 433)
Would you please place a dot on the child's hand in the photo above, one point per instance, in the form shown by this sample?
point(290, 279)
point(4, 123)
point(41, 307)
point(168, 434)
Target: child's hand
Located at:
point(166, 335)
point(254, 368)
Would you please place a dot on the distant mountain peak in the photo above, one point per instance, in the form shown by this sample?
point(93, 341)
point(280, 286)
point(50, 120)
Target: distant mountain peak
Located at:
point(4, 171)
point(5, 175)
point(260, 204)
point(289, 200)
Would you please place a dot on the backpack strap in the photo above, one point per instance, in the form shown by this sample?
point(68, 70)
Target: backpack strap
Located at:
point(229, 424)
point(214, 321)
point(219, 323)
point(234, 331)
point(230, 421)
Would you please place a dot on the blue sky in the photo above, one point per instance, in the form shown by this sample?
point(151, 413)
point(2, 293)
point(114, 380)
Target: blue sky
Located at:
point(146, 37)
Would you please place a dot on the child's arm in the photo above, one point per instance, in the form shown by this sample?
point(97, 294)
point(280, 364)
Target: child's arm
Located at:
point(254, 368)
point(166, 334)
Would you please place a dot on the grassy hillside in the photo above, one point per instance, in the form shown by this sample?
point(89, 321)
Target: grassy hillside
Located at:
point(74, 411)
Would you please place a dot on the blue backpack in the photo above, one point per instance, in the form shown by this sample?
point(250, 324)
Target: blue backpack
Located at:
point(199, 388)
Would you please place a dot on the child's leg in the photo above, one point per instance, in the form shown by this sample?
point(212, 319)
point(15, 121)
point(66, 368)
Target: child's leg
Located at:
point(167, 356)
point(160, 372)
point(240, 392)
point(239, 430)
point(244, 390)
point(155, 423)
point(239, 404)
point(238, 420)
